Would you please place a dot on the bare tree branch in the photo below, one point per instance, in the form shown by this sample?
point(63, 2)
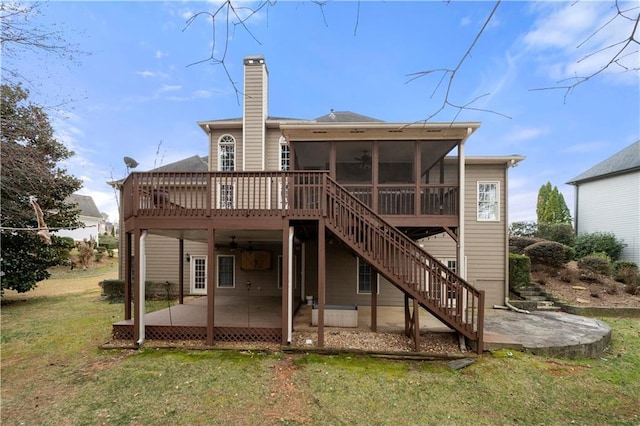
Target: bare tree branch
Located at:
point(230, 17)
point(450, 74)
point(621, 50)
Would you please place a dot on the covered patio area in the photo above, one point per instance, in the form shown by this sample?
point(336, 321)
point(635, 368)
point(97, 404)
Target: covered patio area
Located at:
point(235, 318)
point(255, 319)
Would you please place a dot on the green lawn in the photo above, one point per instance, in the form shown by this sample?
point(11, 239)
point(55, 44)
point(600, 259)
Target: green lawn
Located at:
point(53, 372)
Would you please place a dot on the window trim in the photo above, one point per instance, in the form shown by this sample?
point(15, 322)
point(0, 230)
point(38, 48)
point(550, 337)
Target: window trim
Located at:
point(358, 279)
point(222, 143)
point(283, 144)
point(497, 201)
point(233, 262)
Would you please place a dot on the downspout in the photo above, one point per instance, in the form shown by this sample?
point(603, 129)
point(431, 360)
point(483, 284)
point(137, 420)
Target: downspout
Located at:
point(290, 286)
point(142, 271)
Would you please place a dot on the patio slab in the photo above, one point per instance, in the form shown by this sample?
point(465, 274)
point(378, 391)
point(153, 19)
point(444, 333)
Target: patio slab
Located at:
point(546, 333)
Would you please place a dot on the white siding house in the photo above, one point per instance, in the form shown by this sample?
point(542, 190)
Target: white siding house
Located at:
point(608, 199)
point(89, 216)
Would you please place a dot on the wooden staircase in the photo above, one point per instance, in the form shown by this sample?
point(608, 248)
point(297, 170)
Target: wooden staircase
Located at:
point(406, 265)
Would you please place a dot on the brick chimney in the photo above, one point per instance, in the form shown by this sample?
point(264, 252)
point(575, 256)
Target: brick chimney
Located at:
point(255, 113)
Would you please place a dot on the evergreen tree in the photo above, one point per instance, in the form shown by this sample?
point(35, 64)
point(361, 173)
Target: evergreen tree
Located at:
point(555, 209)
point(30, 157)
point(543, 197)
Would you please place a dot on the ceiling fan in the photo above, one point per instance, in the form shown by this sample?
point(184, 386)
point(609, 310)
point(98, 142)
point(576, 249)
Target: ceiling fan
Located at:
point(364, 159)
point(233, 245)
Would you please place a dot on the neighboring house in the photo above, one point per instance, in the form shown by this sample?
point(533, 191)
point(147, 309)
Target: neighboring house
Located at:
point(90, 218)
point(608, 199)
point(348, 209)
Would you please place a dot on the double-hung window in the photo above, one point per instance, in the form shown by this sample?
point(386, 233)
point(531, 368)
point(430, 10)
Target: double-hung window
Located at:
point(226, 271)
point(488, 201)
point(365, 278)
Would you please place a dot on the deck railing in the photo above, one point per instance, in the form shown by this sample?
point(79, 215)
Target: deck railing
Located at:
point(202, 194)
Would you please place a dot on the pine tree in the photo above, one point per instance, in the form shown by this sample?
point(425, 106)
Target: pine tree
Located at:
point(543, 197)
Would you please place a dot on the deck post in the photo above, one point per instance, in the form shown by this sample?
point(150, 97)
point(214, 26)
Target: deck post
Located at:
point(128, 262)
point(416, 325)
point(480, 326)
point(321, 280)
point(374, 301)
point(181, 271)
point(407, 315)
point(286, 305)
point(211, 289)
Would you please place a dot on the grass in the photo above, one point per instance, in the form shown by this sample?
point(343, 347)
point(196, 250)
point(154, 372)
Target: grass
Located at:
point(54, 373)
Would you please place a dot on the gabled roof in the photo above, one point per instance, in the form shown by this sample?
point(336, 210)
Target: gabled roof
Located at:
point(624, 161)
point(86, 205)
point(191, 164)
point(345, 117)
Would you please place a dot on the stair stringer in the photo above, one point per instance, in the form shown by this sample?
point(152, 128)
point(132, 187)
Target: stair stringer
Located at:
point(405, 264)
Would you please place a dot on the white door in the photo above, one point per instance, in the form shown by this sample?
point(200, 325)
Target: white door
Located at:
point(198, 274)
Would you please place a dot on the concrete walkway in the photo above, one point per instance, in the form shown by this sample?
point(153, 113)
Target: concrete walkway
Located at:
point(546, 333)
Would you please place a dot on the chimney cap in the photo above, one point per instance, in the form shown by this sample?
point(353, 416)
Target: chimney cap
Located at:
point(254, 60)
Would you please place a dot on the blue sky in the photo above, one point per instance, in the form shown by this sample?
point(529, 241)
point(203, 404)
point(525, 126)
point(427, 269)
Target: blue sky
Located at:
point(136, 95)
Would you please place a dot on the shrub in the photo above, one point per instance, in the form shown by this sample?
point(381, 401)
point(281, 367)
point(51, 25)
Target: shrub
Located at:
point(598, 264)
point(518, 244)
point(568, 275)
point(587, 244)
point(114, 290)
point(558, 232)
point(624, 272)
point(569, 254)
point(523, 229)
point(108, 242)
point(547, 253)
point(519, 271)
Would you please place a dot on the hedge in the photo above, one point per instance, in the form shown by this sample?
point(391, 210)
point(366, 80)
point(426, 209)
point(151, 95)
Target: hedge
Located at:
point(114, 290)
point(547, 253)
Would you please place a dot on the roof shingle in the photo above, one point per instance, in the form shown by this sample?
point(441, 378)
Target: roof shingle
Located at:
point(622, 162)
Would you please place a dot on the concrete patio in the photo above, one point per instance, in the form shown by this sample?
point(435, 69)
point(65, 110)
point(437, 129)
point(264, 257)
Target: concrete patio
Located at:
point(549, 333)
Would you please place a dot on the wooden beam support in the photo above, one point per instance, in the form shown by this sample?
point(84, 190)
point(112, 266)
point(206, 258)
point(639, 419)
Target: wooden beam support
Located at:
point(321, 280)
point(374, 301)
point(128, 264)
point(211, 285)
point(181, 271)
point(416, 325)
point(285, 281)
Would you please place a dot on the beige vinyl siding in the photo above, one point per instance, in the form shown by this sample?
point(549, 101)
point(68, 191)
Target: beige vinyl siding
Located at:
point(273, 150)
point(440, 246)
point(485, 241)
point(263, 283)
point(342, 281)
point(254, 116)
point(163, 262)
